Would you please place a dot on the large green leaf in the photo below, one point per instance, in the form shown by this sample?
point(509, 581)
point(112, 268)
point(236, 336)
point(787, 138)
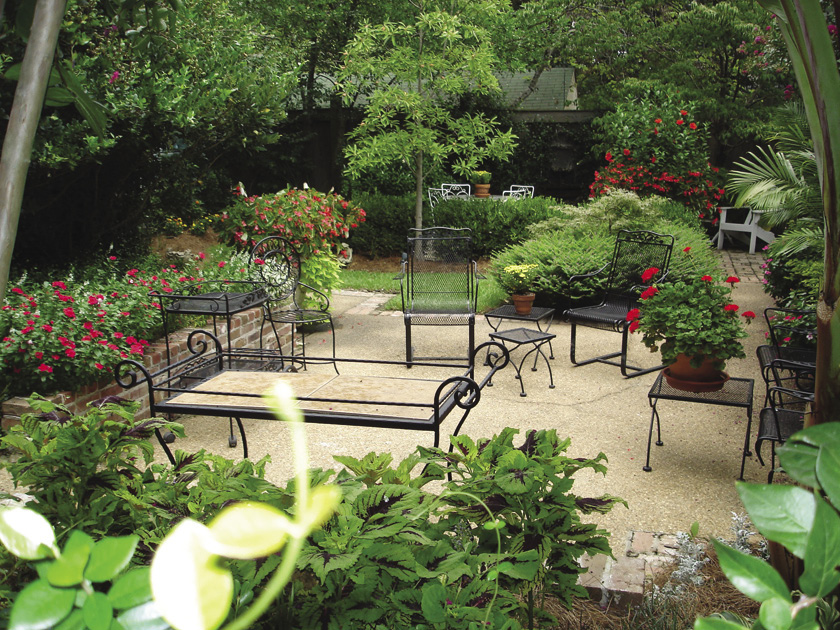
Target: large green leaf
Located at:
point(110, 556)
point(750, 575)
point(433, 602)
point(131, 589)
point(191, 590)
point(98, 611)
point(799, 462)
point(828, 472)
point(40, 605)
point(783, 514)
point(715, 623)
point(249, 530)
point(94, 114)
point(27, 534)
point(68, 569)
point(822, 554)
point(143, 617)
point(775, 614)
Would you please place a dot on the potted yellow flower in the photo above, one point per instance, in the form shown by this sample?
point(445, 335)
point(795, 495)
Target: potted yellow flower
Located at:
point(518, 281)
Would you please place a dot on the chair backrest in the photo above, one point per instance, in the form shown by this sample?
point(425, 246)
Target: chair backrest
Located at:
point(528, 191)
point(440, 271)
point(436, 195)
point(456, 190)
point(278, 264)
point(795, 328)
point(513, 194)
point(636, 251)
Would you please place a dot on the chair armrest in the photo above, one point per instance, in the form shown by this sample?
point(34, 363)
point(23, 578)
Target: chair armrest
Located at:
point(777, 392)
point(324, 297)
point(582, 276)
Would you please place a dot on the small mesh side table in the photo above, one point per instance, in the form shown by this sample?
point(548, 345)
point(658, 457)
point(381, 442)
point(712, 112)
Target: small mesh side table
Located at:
point(520, 336)
point(736, 392)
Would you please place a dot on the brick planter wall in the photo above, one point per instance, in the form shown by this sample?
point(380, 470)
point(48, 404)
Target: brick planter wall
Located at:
point(245, 332)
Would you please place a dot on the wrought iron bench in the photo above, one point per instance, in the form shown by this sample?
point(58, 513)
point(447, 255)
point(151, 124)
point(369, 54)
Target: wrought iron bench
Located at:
point(217, 382)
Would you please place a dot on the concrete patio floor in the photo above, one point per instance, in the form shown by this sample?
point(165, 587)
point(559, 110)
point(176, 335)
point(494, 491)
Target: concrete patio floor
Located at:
point(694, 472)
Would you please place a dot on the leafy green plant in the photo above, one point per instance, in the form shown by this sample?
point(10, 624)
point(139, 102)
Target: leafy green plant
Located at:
point(529, 490)
point(517, 278)
point(805, 522)
point(694, 317)
point(84, 585)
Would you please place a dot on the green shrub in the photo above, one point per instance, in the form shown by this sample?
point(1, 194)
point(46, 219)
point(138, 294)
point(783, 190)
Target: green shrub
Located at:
point(495, 224)
point(387, 221)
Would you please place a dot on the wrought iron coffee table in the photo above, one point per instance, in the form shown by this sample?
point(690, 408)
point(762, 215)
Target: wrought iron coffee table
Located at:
point(537, 315)
point(736, 392)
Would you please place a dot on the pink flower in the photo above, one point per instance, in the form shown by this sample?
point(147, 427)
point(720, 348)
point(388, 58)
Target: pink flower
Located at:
point(69, 312)
point(44, 368)
point(112, 257)
point(649, 273)
point(71, 354)
point(201, 256)
point(222, 264)
point(99, 366)
point(114, 77)
point(58, 284)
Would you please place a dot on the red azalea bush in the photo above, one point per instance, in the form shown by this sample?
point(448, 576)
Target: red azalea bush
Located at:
point(654, 145)
point(65, 334)
point(316, 223)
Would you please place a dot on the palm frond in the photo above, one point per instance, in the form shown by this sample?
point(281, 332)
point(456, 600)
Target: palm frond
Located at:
point(799, 240)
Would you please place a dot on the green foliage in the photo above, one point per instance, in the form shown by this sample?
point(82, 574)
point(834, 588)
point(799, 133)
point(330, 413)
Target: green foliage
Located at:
point(805, 523)
point(387, 221)
point(481, 177)
point(529, 490)
point(84, 586)
point(411, 72)
point(495, 224)
point(517, 278)
point(580, 240)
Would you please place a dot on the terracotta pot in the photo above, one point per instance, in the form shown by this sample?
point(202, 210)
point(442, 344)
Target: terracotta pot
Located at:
point(680, 375)
point(482, 190)
point(523, 303)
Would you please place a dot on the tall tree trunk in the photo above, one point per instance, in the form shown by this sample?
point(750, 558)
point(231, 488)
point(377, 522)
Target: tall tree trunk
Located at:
point(23, 122)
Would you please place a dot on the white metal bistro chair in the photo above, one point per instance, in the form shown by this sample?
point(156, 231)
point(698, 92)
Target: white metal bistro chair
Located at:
point(456, 190)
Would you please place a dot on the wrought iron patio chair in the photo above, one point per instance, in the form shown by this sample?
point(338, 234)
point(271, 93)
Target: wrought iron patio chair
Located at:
point(456, 190)
point(784, 417)
point(634, 253)
point(278, 264)
point(439, 284)
point(789, 360)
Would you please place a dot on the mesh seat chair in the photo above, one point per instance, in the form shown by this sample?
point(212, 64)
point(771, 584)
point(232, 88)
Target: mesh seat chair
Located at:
point(789, 360)
point(784, 417)
point(634, 253)
point(439, 284)
point(278, 264)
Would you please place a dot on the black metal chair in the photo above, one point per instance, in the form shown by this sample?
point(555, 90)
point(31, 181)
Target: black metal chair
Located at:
point(439, 284)
point(278, 264)
point(784, 417)
point(634, 253)
point(789, 360)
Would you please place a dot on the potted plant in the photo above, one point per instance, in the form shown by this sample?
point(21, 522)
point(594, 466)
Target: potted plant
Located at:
point(518, 281)
point(481, 181)
point(695, 327)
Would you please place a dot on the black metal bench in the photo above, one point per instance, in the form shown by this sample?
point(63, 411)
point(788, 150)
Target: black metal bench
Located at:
point(217, 382)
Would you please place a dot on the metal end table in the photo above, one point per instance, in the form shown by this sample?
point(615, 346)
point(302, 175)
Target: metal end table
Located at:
point(736, 392)
point(520, 336)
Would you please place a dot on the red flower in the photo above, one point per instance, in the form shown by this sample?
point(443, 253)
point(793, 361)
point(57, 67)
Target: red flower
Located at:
point(687, 249)
point(608, 157)
point(653, 160)
point(749, 315)
point(649, 292)
point(626, 152)
point(58, 284)
point(658, 120)
point(680, 121)
point(633, 314)
point(69, 312)
point(730, 308)
point(683, 112)
point(732, 280)
point(692, 126)
point(44, 368)
point(99, 366)
point(634, 326)
point(707, 279)
point(649, 273)
point(71, 354)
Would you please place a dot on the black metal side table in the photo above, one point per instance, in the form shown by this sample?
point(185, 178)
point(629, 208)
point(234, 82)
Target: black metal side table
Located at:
point(538, 315)
point(736, 392)
point(520, 336)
